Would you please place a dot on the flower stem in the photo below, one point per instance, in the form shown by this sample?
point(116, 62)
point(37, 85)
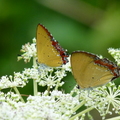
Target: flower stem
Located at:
point(48, 89)
point(35, 87)
point(17, 91)
point(115, 118)
point(77, 107)
point(80, 113)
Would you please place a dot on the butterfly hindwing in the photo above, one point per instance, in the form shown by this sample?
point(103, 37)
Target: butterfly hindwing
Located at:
point(87, 72)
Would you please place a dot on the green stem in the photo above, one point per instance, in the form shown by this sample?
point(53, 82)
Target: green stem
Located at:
point(48, 89)
point(17, 91)
point(56, 87)
point(35, 87)
point(80, 113)
point(115, 118)
point(77, 107)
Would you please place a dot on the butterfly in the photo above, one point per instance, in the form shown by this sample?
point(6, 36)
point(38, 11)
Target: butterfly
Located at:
point(49, 52)
point(90, 71)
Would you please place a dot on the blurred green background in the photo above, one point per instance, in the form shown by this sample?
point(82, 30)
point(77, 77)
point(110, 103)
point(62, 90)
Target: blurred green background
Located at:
point(89, 25)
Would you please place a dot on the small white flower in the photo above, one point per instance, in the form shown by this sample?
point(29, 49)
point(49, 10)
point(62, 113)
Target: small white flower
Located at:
point(29, 51)
point(115, 54)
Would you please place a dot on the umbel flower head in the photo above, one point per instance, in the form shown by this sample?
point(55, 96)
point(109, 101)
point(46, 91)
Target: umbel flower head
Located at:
point(52, 103)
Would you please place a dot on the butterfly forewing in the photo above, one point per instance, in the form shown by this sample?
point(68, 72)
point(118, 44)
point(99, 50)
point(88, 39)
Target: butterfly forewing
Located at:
point(47, 54)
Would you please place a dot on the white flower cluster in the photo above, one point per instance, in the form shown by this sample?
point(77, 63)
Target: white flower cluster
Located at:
point(102, 98)
point(44, 77)
point(48, 78)
point(57, 106)
point(19, 79)
point(29, 51)
point(115, 54)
